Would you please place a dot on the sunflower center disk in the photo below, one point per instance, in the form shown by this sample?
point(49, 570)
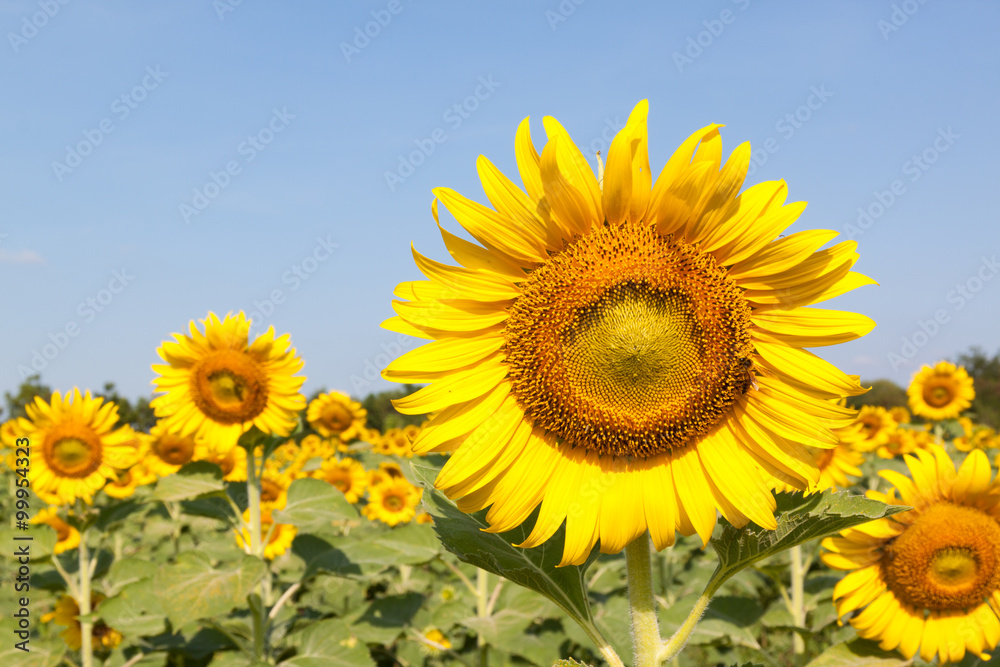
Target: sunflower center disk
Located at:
point(72, 450)
point(628, 343)
point(175, 450)
point(336, 417)
point(948, 559)
point(230, 387)
point(937, 396)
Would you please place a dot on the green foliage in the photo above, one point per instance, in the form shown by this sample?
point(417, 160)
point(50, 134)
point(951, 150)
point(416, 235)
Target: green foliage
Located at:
point(985, 373)
point(136, 414)
point(26, 392)
point(381, 414)
point(883, 393)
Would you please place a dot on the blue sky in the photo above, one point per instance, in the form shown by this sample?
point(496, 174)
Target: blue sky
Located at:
point(162, 160)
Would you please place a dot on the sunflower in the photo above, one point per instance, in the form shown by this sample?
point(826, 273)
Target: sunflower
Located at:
point(631, 357)
point(278, 536)
point(274, 489)
point(899, 414)
point(80, 446)
point(67, 613)
point(218, 385)
point(433, 642)
point(386, 470)
point(928, 579)
point(233, 462)
point(395, 442)
point(335, 414)
point(347, 474)
point(900, 441)
point(942, 392)
point(835, 466)
point(876, 426)
point(392, 501)
point(67, 537)
point(166, 451)
point(127, 481)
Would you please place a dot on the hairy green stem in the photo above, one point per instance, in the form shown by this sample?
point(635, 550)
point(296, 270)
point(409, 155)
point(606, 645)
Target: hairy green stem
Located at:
point(645, 629)
point(798, 597)
point(86, 625)
point(482, 604)
point(673, 646)
point(256, 547)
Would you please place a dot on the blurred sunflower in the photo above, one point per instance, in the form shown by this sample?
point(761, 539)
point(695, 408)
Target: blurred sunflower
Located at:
point(127, 481)
point(395, 442)
point(836, 466)
point(434, 642)
point(899, 414)
point(900, 441)
point(335, 414)
point(166, 451)
point(232, 462)
point(928, 579)
point(80, 446)
point(942, 392)
point(386, 470)
point(634, 352)
point(347, 474)
point(218, 385)
point(876, 426)
point(393, 501)
point(67, 537)
point(67, 613)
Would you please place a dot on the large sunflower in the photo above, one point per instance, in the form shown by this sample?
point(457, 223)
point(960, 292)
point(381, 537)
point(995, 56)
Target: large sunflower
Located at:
point(79, 444)
point(926, 580)
point(942, 392)
point(217, 384)
point(628, 357)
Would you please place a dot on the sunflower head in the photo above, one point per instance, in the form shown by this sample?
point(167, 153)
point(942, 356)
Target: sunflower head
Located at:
point(336, 414)
point(67, 537)
point(625, 335)
point(81, 448)
point(392, 501)
point(218, 384)
point(347, 474)
point(926, 580)
point(941, 392)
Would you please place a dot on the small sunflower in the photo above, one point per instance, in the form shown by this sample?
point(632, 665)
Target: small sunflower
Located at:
point(67, 537)
point(67, 613)
point(335, 414)
point(274, 490)
point(386, 470)
point(278, 536)
point(167, 451)
point(80, 446)
point(899, 414)
point(639, 345)
point(926, 580)
point(127, 481)
point(876, 426)
point(900, 441)
point(434, 642)
point(218, 385)
point(393, 501)
point(346, 474)
point(395, 442)
point(232, 462)
point(942, 392)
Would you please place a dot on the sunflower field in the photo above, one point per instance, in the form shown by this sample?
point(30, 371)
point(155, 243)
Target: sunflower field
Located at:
point(621, 452)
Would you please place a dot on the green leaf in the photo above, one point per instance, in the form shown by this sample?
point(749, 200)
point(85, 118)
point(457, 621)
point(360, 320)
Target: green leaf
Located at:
point(858, 653)
point(314, 504)
point(462, 534)
point(192, 480)
point(191, 588)
point(800, 519)
point(40, 653)
point(127, 571)
point(504, 628)
point(43, 541)
point(135, 611)
point(384, 619)
point(328, 642)
point(410, 545)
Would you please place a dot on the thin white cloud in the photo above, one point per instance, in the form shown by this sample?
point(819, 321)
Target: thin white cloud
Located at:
point(20, 257)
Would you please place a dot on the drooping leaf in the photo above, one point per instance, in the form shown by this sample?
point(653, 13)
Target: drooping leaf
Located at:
point(192, 480)
point(313, 504)
point(386, 618)
point(800, 519)
point(328, 642)
point(462, 534)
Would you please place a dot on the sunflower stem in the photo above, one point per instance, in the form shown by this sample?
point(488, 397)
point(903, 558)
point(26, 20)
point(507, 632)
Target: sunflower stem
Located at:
point(645, 629)
point(673, 646)
point(482, 611)
point(798, 597)
point(86, 626)
point(256, 546)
